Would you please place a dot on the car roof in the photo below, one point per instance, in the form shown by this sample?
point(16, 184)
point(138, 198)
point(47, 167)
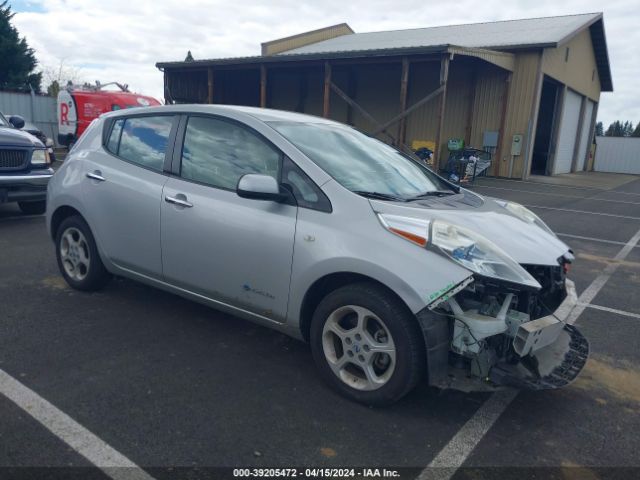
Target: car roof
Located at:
point(262, 114)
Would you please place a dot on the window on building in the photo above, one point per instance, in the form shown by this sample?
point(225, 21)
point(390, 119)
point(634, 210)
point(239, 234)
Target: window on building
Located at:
point(566, 54)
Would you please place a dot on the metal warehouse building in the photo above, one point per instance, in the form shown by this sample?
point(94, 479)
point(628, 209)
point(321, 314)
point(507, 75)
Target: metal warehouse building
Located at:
point(526, 90)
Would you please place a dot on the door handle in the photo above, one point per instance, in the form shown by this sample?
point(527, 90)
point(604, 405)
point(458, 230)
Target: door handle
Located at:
point(97, 175)
point(178, 201)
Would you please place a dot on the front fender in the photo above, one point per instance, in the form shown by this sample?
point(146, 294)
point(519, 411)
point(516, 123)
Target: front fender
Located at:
point(418, 276)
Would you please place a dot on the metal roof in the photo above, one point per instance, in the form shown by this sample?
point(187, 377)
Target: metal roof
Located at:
point(508, 35)
point(538, 32)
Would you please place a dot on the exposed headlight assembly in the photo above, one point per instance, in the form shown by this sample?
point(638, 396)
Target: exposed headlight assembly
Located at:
point(526, 215)
point(478, 254)
point(465, 247)
point(39, 157)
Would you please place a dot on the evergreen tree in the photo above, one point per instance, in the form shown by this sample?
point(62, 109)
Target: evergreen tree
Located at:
point(17, 60)
point(599, 129)
point(636, 132)
point(627, 129)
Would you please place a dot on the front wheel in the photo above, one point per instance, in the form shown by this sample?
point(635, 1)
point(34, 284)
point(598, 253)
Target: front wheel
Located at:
point(367, 344)
point(78, 257)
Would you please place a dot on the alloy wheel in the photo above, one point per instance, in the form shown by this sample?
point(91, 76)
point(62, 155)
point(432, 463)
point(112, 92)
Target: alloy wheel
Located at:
point(358, 347)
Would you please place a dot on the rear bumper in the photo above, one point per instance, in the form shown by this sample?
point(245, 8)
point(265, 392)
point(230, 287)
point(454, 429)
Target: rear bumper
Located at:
point(25, 187)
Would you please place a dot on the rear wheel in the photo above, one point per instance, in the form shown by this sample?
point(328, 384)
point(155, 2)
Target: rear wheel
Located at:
point(367, 344)
point(33, 208)
point(77, 255)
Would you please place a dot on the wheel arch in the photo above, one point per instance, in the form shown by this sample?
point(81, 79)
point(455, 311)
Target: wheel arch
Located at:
point(59, 215)
point(329, 283)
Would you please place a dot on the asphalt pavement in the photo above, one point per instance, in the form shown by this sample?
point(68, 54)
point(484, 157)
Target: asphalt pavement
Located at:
point(169, 383)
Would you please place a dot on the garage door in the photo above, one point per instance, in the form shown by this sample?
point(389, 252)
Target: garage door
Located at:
point(585, 136)
point(568, 132)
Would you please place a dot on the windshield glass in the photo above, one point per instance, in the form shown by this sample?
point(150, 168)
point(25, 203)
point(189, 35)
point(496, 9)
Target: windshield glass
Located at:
point(358, 162)
point(3, 121)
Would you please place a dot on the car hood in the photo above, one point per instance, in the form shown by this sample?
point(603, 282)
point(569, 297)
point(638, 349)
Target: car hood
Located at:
point(10, 137)
point(526, 243)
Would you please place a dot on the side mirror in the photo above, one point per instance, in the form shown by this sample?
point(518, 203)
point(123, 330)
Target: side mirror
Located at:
point(259, 187)
point(17, 121)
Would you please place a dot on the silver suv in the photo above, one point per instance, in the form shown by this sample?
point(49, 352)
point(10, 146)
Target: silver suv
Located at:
point(307, 226)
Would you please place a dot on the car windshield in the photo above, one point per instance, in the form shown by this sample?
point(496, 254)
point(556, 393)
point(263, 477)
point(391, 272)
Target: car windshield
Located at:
point(3, 121)
point(361, 163)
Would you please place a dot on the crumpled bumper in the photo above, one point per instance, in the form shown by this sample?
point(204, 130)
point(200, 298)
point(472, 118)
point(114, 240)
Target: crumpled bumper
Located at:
point(556, 363)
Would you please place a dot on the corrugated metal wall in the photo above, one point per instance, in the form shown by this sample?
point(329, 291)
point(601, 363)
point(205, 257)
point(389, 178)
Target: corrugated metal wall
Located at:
point(578, 68)
point(487, 103)
point(424, 78)
point(618, 155)
point(520, 118)
point(33, 108)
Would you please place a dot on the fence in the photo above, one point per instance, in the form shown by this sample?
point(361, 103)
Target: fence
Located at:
point(36, 109)
point(618, 155)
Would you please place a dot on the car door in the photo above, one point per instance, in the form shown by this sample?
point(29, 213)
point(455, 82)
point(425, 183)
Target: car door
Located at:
point(123, 191)
point(234, 250)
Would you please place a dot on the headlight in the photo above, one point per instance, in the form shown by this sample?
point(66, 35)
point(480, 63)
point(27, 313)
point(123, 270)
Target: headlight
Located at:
point(39, 157)
point(526, 215)
point(413, 229)
point(478, 254)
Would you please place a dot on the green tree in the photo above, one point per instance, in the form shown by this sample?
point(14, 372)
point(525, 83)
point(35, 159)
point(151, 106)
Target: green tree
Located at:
point(17, 60)
point(599, 129)
point(614, 130)
point(636, 132)
point(53, 89)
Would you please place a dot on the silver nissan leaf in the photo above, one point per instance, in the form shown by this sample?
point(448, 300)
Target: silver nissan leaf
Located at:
point(392, 274)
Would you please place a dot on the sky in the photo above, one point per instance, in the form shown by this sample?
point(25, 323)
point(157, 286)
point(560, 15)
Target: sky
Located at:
point(121, 40)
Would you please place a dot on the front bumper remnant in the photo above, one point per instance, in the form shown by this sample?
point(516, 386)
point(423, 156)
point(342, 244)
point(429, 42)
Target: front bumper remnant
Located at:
point(553, 353)
point(553, 366)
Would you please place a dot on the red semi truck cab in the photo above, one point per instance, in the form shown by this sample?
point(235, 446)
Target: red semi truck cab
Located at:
point(79, 106)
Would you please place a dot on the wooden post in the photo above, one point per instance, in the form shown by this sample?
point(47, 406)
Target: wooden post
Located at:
point(404, 82)
point(444, 76)
point(167, 89)
point(502, 141)
point(351, 92)
point(327, 89)
point(210, 85)
point(263, 86)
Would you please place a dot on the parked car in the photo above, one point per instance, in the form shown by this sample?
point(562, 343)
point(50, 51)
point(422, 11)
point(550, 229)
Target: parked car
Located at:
point(312, 228)
point(24, 167)
point(34, 130)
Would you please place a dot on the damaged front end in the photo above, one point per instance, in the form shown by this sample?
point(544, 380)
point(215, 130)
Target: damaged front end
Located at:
point(490, 333)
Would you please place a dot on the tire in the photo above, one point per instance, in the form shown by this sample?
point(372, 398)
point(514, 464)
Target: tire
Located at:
point(33, 208)
point(78, 258)
point(390, 346)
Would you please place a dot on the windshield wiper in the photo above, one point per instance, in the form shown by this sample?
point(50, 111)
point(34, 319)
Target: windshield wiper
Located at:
point(380, 196)
point(433, 193)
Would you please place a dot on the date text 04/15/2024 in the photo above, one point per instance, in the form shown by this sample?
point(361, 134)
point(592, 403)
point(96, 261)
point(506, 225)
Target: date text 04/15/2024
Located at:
point(315, 472)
